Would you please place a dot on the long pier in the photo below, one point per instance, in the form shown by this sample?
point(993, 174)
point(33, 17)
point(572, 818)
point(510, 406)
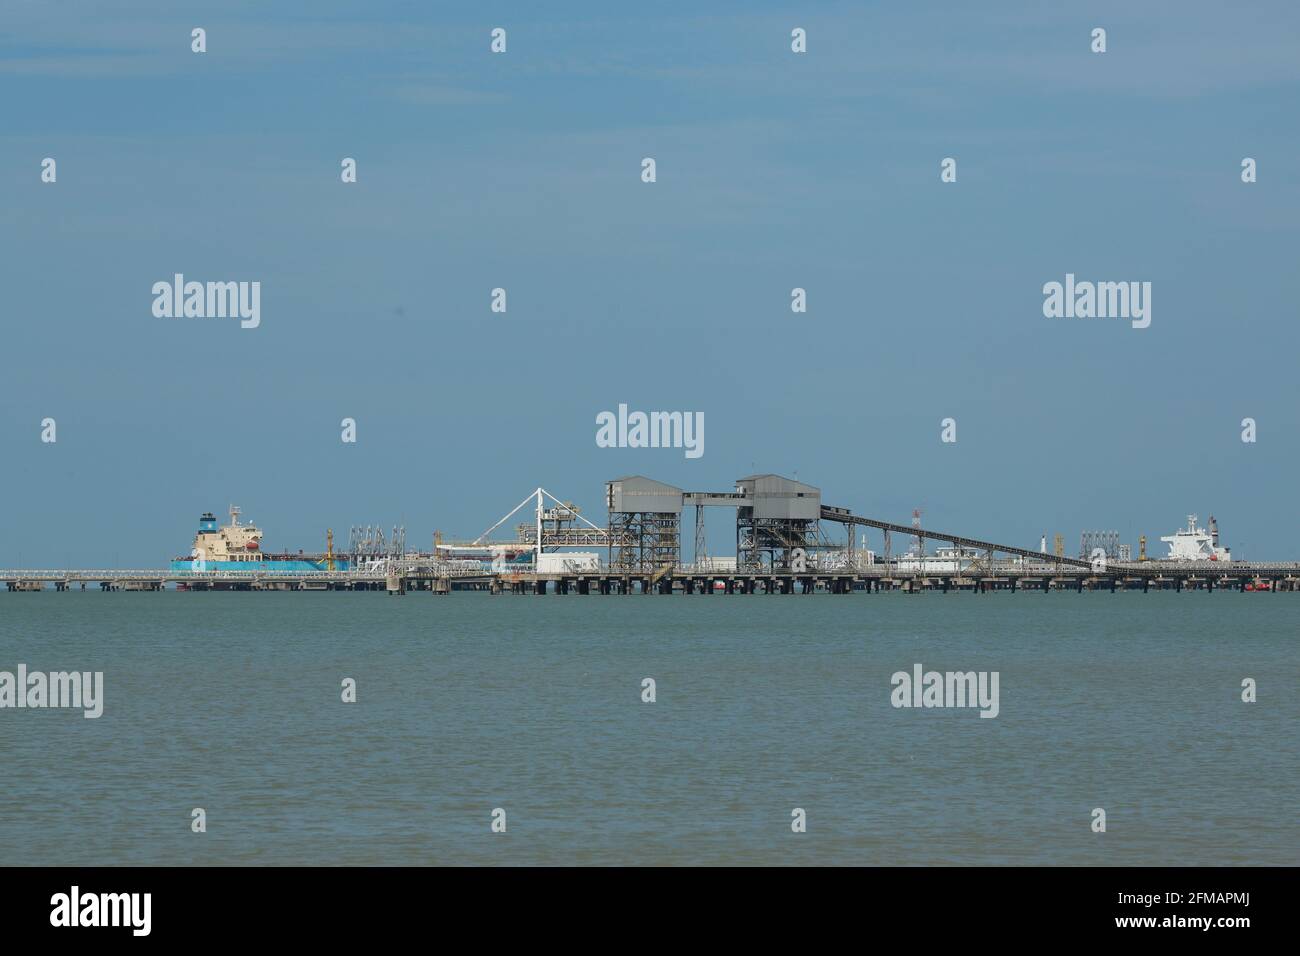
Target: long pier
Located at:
point(780, 549)
point(877, 579)
point(1065, 575)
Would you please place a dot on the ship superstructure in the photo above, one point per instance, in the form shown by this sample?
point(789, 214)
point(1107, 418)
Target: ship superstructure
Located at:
point(1196, 544)
point(949, 560)
point(238, 547)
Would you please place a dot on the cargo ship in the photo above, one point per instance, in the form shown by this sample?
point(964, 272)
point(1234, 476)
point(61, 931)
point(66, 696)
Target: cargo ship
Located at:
point(238, 547)
point(1196, 544)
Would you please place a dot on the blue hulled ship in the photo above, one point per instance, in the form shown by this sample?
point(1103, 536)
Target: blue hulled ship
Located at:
point(238, 547)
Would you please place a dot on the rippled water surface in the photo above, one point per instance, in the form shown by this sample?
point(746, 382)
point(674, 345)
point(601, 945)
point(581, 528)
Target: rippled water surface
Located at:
point(468, 702)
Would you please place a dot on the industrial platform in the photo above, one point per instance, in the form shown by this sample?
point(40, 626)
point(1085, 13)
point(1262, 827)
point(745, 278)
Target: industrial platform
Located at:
point(781, 546)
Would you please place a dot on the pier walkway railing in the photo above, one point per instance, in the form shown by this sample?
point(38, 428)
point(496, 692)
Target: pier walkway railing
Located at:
point(472, 569)
point(455, 569)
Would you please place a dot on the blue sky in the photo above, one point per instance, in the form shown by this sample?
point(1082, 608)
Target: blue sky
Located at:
point(522, 170)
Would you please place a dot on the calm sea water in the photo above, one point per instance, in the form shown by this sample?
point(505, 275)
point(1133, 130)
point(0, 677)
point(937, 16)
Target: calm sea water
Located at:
point(467, 702)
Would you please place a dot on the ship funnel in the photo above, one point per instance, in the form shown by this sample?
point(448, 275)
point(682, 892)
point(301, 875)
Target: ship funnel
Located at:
point(1214, 532)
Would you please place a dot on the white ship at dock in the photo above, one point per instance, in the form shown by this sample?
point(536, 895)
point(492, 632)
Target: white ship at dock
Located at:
point(946, 560)
point(1196, 544)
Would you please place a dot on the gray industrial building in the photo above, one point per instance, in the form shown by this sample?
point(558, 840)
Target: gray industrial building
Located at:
point(778, 516)
point(645, 518)
point(774, 517)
